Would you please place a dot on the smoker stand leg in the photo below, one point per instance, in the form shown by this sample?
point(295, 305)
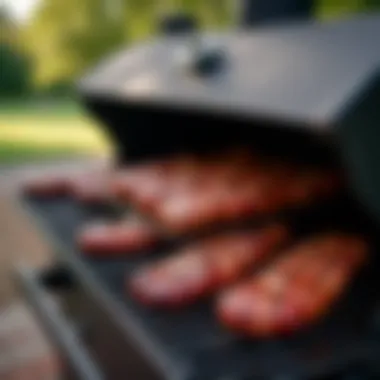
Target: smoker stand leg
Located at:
point(80, 365)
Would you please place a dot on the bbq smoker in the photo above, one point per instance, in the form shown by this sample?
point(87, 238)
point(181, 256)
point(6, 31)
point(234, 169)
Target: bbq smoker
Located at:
point(307, 91)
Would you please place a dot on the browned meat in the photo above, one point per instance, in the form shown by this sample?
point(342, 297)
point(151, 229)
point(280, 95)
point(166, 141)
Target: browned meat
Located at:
point(296, 290)
point(204, 267)
point(48, 186)
point(147, 185)
point(92, 189)
point(130, 236)
point(261, 191)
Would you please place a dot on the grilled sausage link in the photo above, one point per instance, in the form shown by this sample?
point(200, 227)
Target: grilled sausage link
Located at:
point(129, 236)
point(296, 290)
point(261, 191)
point(204, 267)
point(147, 185)
point(48, 186)
point(90, 187)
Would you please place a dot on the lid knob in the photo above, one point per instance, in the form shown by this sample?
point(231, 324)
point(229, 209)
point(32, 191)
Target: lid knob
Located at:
point(209, 62)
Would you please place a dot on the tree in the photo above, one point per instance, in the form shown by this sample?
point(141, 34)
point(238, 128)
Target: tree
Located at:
point(8, 29)
point(339, 7)
point(68, 36)
point(211, 13)
point(14, 67)
point(372, 4)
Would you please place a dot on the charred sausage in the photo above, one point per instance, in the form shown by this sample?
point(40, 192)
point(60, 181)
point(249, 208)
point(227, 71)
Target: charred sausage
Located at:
point(296, 290)
point(204, 267)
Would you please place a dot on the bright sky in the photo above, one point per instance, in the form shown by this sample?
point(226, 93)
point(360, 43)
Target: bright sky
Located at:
point(21, 9)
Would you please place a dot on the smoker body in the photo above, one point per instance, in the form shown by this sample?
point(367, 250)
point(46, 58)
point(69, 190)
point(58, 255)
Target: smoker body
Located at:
point(307, 91)
point(311, 84)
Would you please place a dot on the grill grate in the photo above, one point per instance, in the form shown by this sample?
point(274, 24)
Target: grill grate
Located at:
point(193, 339)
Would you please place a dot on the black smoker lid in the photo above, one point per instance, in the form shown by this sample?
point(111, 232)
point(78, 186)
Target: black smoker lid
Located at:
point(300, 74)
point(322, 78)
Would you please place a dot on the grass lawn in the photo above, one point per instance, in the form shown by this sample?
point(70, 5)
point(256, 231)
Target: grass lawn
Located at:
point(42, 130)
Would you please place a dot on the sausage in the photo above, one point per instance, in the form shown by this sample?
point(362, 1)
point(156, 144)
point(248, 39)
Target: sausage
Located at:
point(128, 180)
point(261, 190)
point(227, 197)
point(180, 177)
point(202, 203)
point(203, 268)
point(188, 212)
point(92, 189)
point(144, 185)
point(129, 236)
point(147, 185)
point(47, 186)
point(310, 185)
point(210, 199)
point(296, 290)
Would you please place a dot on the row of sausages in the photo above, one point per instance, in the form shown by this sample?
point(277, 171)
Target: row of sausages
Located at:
point(265, 283)
point(296, 288)
point(188, 193)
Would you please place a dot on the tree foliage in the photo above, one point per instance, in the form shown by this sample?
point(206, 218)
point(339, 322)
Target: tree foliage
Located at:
point(14, 66)
point(341, 7)
point(14, 72)
point(372, 4)
point(67, 36)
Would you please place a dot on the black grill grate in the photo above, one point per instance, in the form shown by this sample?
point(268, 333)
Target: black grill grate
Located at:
point(192, 338)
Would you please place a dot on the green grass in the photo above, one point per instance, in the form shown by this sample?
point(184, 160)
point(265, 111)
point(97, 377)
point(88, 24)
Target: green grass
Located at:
point(37, 130)
point(327, 9)
point(13, 154)
point(49, 107)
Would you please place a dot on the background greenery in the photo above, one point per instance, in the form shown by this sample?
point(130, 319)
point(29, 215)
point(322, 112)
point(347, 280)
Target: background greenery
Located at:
point(40, 59)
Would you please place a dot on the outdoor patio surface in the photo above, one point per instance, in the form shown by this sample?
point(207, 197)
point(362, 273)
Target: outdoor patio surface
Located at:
point(25, 354)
